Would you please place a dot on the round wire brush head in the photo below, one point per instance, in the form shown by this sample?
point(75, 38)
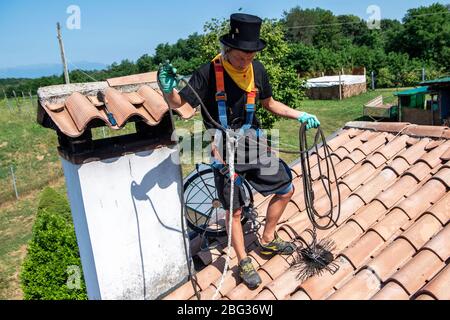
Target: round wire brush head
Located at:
point(315, 259)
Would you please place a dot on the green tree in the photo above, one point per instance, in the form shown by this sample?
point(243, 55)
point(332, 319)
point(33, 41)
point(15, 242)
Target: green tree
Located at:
point(316, 27)
point(426, 33)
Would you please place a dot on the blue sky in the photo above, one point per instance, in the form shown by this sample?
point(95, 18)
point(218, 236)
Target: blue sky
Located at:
point(115, 30)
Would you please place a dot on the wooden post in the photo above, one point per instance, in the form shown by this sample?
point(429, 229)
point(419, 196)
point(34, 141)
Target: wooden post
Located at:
point(340, 86)
point(423, 74)
point(63, 54)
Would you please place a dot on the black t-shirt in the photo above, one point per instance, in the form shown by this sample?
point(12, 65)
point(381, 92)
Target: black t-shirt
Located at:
point(203, 80)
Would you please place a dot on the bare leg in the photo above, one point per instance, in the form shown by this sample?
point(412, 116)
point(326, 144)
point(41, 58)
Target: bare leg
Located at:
point(237, 236)
point(274, 212)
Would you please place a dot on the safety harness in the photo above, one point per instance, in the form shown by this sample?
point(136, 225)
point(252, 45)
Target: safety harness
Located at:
point(221, 99)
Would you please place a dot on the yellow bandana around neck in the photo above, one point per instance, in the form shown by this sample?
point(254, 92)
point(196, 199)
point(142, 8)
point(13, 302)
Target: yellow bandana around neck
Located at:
point(243, 78)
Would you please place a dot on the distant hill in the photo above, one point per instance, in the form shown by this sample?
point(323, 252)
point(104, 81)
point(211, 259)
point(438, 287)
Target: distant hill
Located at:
point(43, 70)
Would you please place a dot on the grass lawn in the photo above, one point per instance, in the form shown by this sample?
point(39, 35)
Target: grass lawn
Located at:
point(31, 151)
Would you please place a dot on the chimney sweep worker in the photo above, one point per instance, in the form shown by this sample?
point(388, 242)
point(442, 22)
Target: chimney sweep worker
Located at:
point(229, 86)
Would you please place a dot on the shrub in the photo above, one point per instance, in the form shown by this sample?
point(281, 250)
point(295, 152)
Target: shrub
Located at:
point(52, 252)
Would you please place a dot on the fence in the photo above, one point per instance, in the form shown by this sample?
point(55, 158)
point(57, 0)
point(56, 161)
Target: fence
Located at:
point(26, 162)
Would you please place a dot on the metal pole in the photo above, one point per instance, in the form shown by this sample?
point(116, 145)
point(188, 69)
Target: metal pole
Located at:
point(14, 182)
point(423, 74)
point(340, 86)
point(63, 54)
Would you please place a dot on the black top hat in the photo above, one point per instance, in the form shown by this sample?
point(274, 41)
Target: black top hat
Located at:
point(244, 33)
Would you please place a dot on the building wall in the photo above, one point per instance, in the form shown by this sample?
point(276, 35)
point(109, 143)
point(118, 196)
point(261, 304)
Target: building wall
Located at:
point(127, 219)
point(332, 93)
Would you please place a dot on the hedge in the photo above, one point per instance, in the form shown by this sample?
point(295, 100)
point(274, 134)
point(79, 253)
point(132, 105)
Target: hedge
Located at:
point(48, 270)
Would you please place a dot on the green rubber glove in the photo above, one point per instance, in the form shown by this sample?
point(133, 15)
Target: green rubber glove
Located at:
point(168, 77)
point(310, 120)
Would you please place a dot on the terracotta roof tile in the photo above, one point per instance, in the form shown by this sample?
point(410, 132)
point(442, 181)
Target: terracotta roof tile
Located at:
point(393, 147)
point(422, 231)
point(438, 287)
point(342, 138)
point(440, 244)
point(75, 107)
point(378, 126)
point(397, 190)
point(346, 234)
point(282, 286)
point(398, 165)
point(355, 156)
point(424, 297)
point(377, 159)
point(390, 223)
point(354, 179)
point(373, 187)
point(82, 111)
point(265, 294)
point(213, 271)
point(446, 155)
point(390, 240)
point(318, 287)
point(424, 131)
point(419, 171)
point(275, 266)
point(441, 209)
point(433, 158)
point(384, 265)
point(362, 286)
point(343, 167)
point(374, 143)
point(349, 206)
point(413, 153)
point(391, 291)
point(369, 214)
point(418, 271)
point(443, 176)
point(362, 249)
point(421, 200)
point(300, 295)
point(231, 280)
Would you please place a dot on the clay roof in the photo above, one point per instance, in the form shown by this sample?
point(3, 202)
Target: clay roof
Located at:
point(74, 107)
point(393, 236)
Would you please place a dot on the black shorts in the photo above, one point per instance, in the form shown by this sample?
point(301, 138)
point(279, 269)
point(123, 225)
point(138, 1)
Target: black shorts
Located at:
point(278, 182)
